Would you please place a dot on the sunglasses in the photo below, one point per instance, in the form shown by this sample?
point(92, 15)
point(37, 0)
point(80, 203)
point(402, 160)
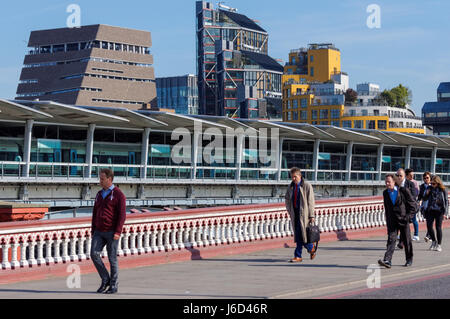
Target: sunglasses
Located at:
point(433, 183)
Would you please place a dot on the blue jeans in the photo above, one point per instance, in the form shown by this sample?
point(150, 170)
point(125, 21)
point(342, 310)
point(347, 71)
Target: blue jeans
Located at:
point(99, 240)
point(299, 240)
point(416, 225)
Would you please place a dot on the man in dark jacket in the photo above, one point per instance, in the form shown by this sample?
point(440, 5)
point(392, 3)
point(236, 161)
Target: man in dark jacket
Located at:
point(399, 204)
point(108, 217)
point(404, 182)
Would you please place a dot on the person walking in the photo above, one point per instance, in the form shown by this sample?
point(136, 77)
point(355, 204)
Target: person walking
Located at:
point(426, 177)
point(404, 182)
point(299, 200)
point(399, 205)
point(409, 172)
point(108, 217)
point(437, 207)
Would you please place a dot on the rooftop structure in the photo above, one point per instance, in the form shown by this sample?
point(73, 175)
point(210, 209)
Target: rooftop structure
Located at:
point(92, 65)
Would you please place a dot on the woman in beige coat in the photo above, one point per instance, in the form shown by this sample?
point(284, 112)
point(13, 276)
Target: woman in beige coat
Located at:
point(299, 200)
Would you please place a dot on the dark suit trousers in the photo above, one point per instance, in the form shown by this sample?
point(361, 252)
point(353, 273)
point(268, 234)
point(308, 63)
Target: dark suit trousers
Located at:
point(405, 238)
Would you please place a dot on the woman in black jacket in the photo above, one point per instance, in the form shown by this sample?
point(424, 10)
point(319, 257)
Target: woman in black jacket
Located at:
point(423, 203)
point(437, 206)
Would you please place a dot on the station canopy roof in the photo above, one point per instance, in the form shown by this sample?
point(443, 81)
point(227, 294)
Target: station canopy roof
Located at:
point(58, 113)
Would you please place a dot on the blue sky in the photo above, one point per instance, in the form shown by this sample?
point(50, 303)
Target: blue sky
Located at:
point(412, 46)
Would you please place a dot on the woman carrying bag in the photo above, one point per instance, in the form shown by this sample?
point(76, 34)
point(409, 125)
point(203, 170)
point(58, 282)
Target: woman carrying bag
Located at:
point(423, 203)
point(437, 207)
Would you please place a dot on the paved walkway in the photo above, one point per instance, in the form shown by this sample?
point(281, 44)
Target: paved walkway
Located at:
point(339, 267)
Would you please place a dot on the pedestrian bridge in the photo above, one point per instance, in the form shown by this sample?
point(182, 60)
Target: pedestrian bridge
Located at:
point(44, 249)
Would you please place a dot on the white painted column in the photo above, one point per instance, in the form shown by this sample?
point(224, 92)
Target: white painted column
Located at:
point(348, 163)
point(379, 161)
point(408, 157)
point(89, 150)
point(280, 158)
point(144, 152)
point(433, 160)
point(194, 152)
point(27, 148)
point(316, 159)
point(239, 152)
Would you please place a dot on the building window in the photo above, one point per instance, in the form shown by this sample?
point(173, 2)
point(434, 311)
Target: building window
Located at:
point(323, 114)
point(303, 103)
point(376, 112)
point(364, 112)
point(295, 116)
point(312, 71)
point(335, 123)
point(358, 124)
point(370, 125)
point(311, 59)
point(295, 102)
point(303, 115)
point(324, 123)
point(335, 114)
point(314, 114)
point(347, 124)
point(382, 125)
point(289, 116)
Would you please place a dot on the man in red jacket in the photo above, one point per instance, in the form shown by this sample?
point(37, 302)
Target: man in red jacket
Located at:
point(108, 217)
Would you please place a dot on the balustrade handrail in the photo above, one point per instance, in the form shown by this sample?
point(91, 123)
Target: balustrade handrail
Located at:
point(47, 242)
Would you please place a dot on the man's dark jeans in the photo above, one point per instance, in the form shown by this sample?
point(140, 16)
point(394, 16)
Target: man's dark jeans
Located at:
point(299, 237)
point(405, 238)
point(99, 240)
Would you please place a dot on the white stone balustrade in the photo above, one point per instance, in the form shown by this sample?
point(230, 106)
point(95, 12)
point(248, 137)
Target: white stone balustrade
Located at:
point(52, 242)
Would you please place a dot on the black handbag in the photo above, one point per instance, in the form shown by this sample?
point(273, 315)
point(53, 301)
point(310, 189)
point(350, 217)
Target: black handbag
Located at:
point(312, 233)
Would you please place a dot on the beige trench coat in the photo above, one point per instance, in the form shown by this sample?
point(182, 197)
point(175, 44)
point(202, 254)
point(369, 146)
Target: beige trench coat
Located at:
point(307, 206)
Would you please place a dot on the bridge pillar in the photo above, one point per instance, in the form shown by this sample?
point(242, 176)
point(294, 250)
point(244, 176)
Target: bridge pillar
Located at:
point(194, 150)
point(23, 193)
point(190, 191)
point(141, 192)
point(280, 159)
point(235, 192)
point(86, 193)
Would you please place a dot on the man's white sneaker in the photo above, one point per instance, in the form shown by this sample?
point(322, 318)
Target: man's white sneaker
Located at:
point(416, 238)
point(427, 239)
point(438, 248)
point(433, 246)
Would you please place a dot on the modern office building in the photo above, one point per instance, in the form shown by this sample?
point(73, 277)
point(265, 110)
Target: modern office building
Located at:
point(437, 114)
point(314, 92)
point(94, 65)
point(236, 76)
point(179, 93)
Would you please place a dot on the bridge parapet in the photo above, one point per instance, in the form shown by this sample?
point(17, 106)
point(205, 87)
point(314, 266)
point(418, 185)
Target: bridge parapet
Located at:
point(49, 242)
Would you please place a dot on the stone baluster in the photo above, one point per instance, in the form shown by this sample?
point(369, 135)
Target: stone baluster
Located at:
point(48, 251)
point(181, 235)
point(23, 253)
point(245, 225)
point(192, 234)
point(160, 238)
point(277, 219)
point(234, 231)
point(133, 234)
point(173, 239)
point(167, 231)
point(57, 246)
point(5, 250)
point(205, 234)
point(257, 227)
point(219, 227)
point(81, 252)
point(65, 254)
point(14, 261)
point(212, 232)
point(140, 242)
point(40, 248)
point(120, 251)
point(126, 243)
point(154, 239)
point(147, 248)
point(199, 234)
point(252, 228)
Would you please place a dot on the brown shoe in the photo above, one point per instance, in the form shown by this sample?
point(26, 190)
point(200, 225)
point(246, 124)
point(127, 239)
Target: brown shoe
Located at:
point(313, 254)
point(295, 260)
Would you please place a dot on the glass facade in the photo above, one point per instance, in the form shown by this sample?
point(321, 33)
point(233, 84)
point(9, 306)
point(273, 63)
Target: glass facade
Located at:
point(178, 93)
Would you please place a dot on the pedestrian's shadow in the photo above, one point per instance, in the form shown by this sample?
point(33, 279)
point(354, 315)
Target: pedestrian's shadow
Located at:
point(48, 291)
point(195, 253)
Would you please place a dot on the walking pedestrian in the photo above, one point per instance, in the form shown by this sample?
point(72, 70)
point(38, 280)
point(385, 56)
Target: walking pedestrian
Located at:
point(299, 200)
point(437, 207)
point(426, 177)
point(108, 217)
point(399, 205)
point(404, 182)
point(410, 177)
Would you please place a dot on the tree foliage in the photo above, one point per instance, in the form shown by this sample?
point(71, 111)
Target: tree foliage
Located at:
point(399, 96)
point(350, 96)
